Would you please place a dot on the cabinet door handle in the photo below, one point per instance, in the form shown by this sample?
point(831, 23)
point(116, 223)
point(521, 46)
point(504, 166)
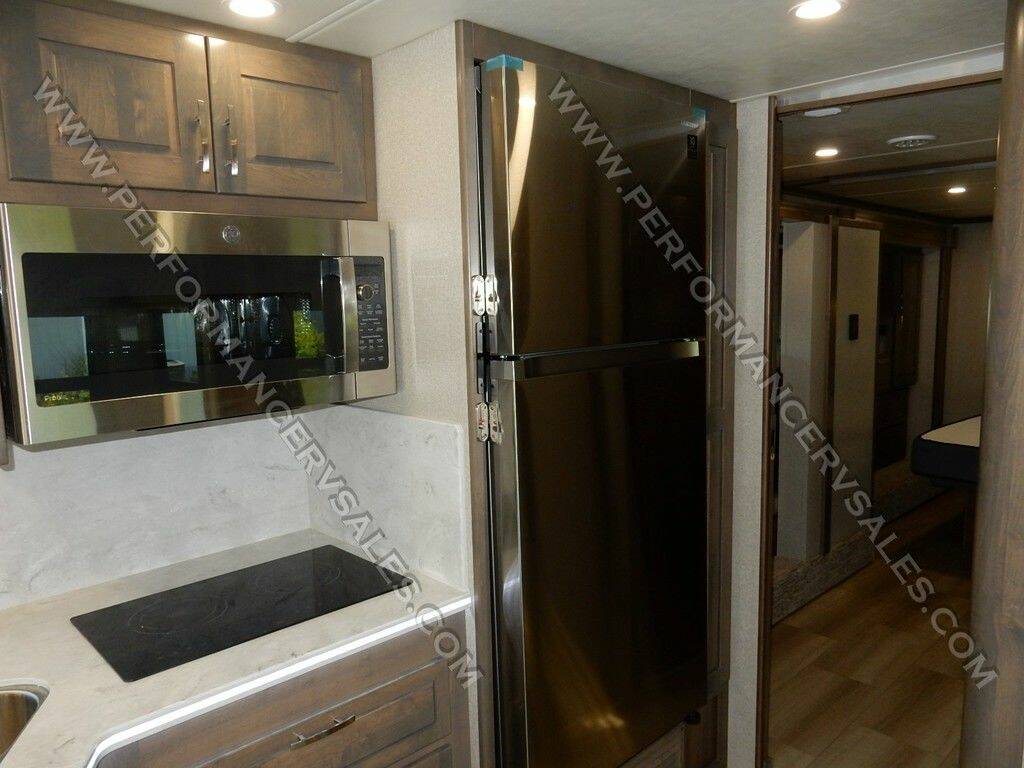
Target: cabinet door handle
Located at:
point(205, 161)
point(335, 726)
point(232, 163)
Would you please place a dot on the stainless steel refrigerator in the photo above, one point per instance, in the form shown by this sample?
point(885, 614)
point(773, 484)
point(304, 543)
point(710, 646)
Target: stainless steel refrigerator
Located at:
point(591, 352)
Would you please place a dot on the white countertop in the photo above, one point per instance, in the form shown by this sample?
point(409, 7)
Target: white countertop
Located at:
point(90, 710)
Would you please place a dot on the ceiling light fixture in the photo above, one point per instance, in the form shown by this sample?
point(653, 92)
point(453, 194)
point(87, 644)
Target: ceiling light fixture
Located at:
point(825, 111)
point(253, 9)
point(913, 141)
point(827, 152)
point(957, 190)
point(810, 10)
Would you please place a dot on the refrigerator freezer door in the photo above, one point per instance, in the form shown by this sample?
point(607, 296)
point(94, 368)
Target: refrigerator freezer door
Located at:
point(600, 560)
point(576, 262)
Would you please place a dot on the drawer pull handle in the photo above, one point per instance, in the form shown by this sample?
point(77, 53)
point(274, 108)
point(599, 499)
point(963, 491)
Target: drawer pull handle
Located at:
point(334, 727)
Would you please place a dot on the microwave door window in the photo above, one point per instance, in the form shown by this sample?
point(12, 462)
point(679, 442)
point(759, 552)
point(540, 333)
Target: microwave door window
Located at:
point(110, 326)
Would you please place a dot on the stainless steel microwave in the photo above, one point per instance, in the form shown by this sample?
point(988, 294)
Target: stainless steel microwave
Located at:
point(116, 321)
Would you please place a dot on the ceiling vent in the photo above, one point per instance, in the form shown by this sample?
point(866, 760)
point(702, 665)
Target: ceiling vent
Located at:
point(912, 142)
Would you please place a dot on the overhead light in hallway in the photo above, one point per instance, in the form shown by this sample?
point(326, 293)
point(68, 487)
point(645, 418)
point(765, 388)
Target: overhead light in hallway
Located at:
point(825, 111)
point(957, 190)
point(827, 152)
point(817, 9)
point(254, 9)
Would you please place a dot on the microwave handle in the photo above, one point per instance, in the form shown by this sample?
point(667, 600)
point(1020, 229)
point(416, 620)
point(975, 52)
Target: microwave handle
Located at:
point(341, 314)
point(349, 313)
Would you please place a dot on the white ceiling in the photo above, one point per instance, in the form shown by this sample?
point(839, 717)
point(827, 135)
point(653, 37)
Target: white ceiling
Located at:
point(965, 122)
point(729, 48)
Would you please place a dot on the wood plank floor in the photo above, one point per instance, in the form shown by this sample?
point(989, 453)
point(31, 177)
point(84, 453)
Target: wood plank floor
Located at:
point(859, 679)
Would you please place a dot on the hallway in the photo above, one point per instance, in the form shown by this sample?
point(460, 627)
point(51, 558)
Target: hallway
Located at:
point(860, 679)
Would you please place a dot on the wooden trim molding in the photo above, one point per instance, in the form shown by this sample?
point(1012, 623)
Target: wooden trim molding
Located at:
point(897, 226)
point(965, 81)
point(769, 428)
point(941, 336)
point(479, 513)
point(993, 731)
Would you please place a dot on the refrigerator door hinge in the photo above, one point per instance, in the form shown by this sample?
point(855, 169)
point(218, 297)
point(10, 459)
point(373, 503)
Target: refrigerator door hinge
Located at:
point(484, 295)
point(488, 423)
point(497, 430)
point(483, 422)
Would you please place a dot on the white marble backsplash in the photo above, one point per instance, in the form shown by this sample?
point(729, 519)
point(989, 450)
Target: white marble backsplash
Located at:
point(409, 476)
point(80, 515)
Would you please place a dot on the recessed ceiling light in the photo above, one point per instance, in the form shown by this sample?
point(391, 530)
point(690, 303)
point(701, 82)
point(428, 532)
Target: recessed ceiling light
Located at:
point(825, 111)
point(913, 141)
point(957, 190)
point(827, 152)
point(817, 9)
point(254, 9)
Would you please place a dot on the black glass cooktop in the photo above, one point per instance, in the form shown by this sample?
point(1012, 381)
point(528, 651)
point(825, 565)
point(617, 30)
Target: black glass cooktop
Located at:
point(145, 636)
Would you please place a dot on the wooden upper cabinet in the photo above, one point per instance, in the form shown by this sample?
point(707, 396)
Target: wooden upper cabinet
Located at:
point(291, 124)
point(140, 90)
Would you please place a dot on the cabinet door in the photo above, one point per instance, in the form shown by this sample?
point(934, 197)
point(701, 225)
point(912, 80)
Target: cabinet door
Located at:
point(140, 91)
point(289, 124)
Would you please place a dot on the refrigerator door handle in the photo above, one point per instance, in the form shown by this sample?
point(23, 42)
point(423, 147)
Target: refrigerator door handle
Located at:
point(534, 366)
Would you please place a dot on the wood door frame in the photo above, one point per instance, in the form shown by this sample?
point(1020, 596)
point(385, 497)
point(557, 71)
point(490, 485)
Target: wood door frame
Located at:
point(905, 229)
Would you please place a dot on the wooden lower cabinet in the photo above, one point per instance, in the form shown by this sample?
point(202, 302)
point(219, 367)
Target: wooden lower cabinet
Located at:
point(393, 706)
point(439, 756)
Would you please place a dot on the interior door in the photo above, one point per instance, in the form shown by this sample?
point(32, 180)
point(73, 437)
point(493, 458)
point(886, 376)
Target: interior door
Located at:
point(289, 125)
point(140, 90)
point(854, 356)
point(601, 556)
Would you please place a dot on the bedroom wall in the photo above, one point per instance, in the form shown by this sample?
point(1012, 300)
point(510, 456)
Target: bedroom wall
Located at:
point(968, 322)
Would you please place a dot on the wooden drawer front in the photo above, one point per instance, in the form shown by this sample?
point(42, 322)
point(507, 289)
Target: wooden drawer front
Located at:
point(401, 694)
point(372, 730)
point(438, 758)
point(141, 91)
point(288, 124)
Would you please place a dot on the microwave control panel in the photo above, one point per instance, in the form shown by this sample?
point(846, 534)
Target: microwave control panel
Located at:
point(371, 296)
